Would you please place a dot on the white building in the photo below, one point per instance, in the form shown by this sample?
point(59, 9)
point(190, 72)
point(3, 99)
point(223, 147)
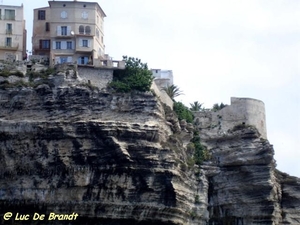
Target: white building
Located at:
point(162, 78)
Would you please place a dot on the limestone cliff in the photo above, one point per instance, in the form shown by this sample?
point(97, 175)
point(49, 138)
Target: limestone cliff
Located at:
point(122, 159)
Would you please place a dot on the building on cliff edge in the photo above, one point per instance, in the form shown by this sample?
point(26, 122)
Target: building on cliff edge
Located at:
point(71, 32)
point(162, 78)
point(12, 33)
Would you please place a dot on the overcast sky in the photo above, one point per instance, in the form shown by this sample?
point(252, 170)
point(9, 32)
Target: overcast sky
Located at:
point(216, 49)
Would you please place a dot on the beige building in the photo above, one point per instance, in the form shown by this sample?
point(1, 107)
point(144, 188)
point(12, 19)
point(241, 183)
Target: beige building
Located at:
point(69, 31)
point(12, 33)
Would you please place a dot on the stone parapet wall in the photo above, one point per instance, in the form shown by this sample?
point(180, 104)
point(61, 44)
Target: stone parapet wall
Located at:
point(245, 111)
point(96, 76)
point(162, 95)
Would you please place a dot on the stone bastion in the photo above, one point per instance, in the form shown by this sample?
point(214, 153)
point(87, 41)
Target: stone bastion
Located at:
point(241, 111)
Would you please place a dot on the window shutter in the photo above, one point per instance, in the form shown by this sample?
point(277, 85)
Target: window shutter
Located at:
point(80, 42)
point(58, 30)
point(68, 30)
point(86, 59)
point(69, 59)
point(54, 44)
point(79, 60)
point(63, 45)
point(40, 44)
point(89, 43)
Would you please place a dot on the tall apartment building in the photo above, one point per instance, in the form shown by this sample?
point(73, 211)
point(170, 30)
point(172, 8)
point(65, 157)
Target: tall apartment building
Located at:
point(12, 33)
point(69, 31)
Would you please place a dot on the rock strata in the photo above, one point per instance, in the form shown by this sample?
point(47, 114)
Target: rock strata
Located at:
point(123, 159)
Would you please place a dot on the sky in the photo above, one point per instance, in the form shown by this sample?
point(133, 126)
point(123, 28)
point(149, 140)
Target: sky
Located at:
point(216, 49)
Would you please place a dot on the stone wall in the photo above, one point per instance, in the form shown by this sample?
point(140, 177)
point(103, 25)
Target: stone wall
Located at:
point(245, 111)
point(100, 77)
point(96, 76)
point(162, 95)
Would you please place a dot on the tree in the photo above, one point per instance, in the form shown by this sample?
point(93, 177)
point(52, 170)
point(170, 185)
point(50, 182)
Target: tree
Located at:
point(217, 107)
point(196, 106)
point(173, 91)
point(135, 76)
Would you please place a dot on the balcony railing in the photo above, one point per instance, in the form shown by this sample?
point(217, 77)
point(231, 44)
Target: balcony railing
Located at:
point(8, 31)
point(9, 46)
point(7, 17)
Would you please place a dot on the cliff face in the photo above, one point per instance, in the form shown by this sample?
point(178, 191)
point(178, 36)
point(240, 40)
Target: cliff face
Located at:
point(122, 159)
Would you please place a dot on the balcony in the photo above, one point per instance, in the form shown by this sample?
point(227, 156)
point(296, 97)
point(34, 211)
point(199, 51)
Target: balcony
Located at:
point(9, 31)
point(9, 47)
point(86, 34)
point(7, 17)
point(64, 36)
point(84, 50)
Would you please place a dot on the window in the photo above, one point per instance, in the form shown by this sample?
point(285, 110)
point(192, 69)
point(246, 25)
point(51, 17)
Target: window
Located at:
point(83, 60)
point(41, 15)
point(9, 14)
point(63, 59)
point(47, 26)
point(8, 42)
point(84, 15)
point(44, 44)
point(64, 30)
point(87, 30)
point(69, 45)
point(57, 45)
point(64, 14)
point(85, 43)
point(8, 28)
point(81, 29)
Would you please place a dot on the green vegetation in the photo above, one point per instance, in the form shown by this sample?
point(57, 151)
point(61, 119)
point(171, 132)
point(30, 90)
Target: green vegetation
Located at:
point(41, 74)
point(201, 153)
point(196, 106)
point(7, 73)
point(183, 112)
point(135, 76)
point(197, 199)
point(20, 83)
point(173, 91)
point(217, 106)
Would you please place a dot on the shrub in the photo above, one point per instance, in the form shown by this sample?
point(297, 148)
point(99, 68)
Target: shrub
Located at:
point(44, 74)
point(135, 76)
point(197, 199)
point(20, 83)
point(5, 73)
point(183, 112)
point(201, 153)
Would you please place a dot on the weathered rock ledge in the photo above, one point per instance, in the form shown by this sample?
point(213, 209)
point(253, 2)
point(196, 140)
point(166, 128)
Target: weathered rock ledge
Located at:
point(119, 159)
